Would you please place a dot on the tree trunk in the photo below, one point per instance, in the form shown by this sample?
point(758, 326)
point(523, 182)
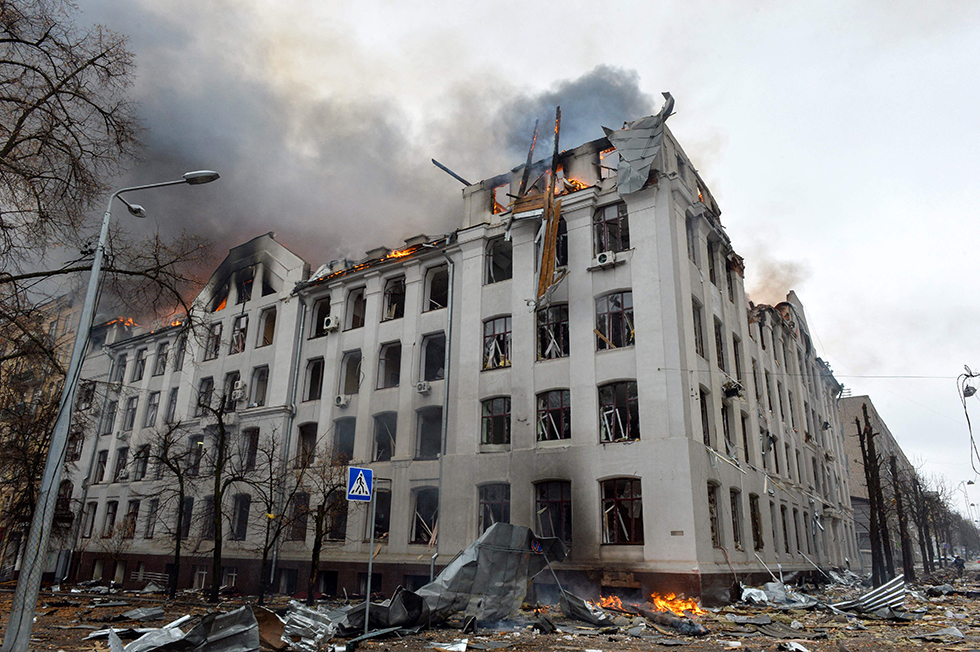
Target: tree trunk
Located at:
point(908, 566)
point(319, 519)
point(219, 465)
point(172, 588)
point(886, 546)
point(263, 580)
point(877, 567)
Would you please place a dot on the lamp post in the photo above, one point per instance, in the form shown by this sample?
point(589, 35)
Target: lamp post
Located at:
point(18, 635)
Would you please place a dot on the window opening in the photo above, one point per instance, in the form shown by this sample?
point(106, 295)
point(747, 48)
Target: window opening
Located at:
point(713, 515)
point(426, 515)
point(736, 503)
point(614, 321)
point(267, 327)
point(321, 315)
point(132, 514)
point(152, 407)
point(243, 503)
point(314, 379)
point(119, 373)
point(500, 264)
point(207, 519)
point(243, 284)
point(185, 523)
point(139, 365)
point(110, 417)
point(434, 357)
point(385, 426)
point(756, 516)
point(352, 372)
point(307, 445)
point(561, 244)
point(160, 364)
point(89, 523)
point(611, 228)
point(239, 332)
point(343, 440)
point(619, 412)
point(554, 415)
point(496, 342)
point(260, 384)
point(622, 511)
point(698, 329)
point(496, 421)
point(389, 365)
point(705, 417)
point(429, 442)
point(300, 510)
point(382, 516)
point(232, 390)
point(553, 332)
point(179, 353)
point(553, 509)
point(129, 416)
point(212, 346)
point(438, 289)
point(109, 522)
point(394, 298)
point(720, 344)
point(248, 448)
point(355, 309)
point(494, 505)
point(100, 466)
point(151, 518)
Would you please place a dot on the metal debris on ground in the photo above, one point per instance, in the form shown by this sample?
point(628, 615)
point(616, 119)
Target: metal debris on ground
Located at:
point(889, 595)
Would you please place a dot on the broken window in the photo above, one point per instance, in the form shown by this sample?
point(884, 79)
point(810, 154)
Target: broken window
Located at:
point(243, 285)
point(100, 465)
point(745, 437)
point(184, 531)
point(554, 415)
point(437, 288)
point(608, 163)
point(619, 412)
point(307, 445)
point(772, 519)
point(553, 509)
point(267, 327)
point(726, 429)
point(433, 357)
point(494, 505)
point(207, 519)
point(768, 391)
point(698, 328)
point(385, 426)
point(775, 453)
point(499, 260)
point(129, 416)
point(382, 515)
point(796, 527)
point(132, 514)
point(705, 417)
point(179, 353)
point(160, 364)
point(713, 515)
point(783, 515)
point(426, 514)
point(109, 421)
point(429, 440)
point(389, 365)
point(561, 244)
point(737, 357)
point(88, 519)
point(553, 332)
point(239, 515)
point(343, 440)
point(248, 448)
point(321, 317)
point(756, 516)
point(496, 342)
point(139, 365)
point(614, 321)
point(713, 263)
point(692, 240)
point(109, 522)
point(789, 459)
point(611, 228)
point(212, 345)
point(86, 393)
point(76, 440)
point(260, 384)
point(735, 497)
point(314, 379)
point(720, 344)
point(806, 532)
point(730, 281)
point(232, 390)
point(152, 407)
point(119, 372)
point(122, 459)
point(151, 518)
point(239, 331)
point(496, 421)
point(356, 306)
point(394, 299)
point(622, 511)
point(299, 512)
point(195, 448)
point(351, 365)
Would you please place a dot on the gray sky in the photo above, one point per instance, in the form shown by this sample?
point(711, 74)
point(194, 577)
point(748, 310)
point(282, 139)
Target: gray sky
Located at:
point(839, 138)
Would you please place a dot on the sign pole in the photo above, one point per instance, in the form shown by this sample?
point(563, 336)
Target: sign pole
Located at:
point(367, 602)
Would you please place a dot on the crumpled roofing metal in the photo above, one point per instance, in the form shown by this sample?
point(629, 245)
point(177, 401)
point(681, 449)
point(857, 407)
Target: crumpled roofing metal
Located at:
point(235, 631)
point(890, 594)
point(489, 578)
point(639, 144)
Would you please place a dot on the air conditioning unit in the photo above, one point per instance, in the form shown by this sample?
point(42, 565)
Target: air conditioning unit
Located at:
point(331, 323)
point(122, 434)
point(238, 395)
point(424, 387)
point(239, 386)
point(123, 475)
point(605, 259)
point(341, 400)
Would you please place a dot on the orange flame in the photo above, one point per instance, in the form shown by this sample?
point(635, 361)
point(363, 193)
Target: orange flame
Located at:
point(675, 605)
point(176, 322)
point(125, 321)
point(575, 185)
point(610, 601)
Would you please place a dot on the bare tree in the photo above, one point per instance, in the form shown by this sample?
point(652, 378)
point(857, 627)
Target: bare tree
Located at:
point(327, 502)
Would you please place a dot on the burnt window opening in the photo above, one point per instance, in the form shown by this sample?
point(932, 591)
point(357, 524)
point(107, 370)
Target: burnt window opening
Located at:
point(496, 421)
point(434, 357)
point(239, 332)
point(160, 364)
point(394, 298)
point(356, 307)
point(242, 505)
point(248, 449)
point(351, 365)
point(619, 412)
point(720, 344)
point(735, 497)
point(271, 283)
point(608, 163)
point(429, 440)
point(496, 342)
point(306, 452)
point(561, 244)
point(243, 284)
point(129, 415)
point(437, 288)
point(212, 345)
point(611, 228)
point(267, 327)
point(232, 391)
point(389, 365)
point(314, 380)
point(756, 516)
point(139, 365)
point(321, 318)
point(119, 371)
point(494, 505)
point(713, 515)
point(553, 509)
point(426, 514)
point(385, 429)
point(554, 415)
point(382, 516)
point(220, 298)
point(343, 440)
point(614, 321)
point(622, 511)
point(299, 511)
point(705, 417)
point(152, 407)
point(499, 260)
point(698, 328)
point(553, 332)
point(260, 385)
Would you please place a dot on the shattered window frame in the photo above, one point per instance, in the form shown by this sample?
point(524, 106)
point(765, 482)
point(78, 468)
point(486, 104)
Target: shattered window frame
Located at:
point(314, 379)
point(129, 414)
point(267, 327)
point(394, 298)
point(119, 370)
point(102, 461)
point(619, 411)
point(232, 378)
point(553, 498)
point(109, 422)
point(160, 362)
point(755, 514)
point(382, 509)
point(355, 314)
point(714, 517)
point(212, 346)
point(696, 308)
point(495, 421)
point(152, 408)
point(494, 504)
point(720, 344)
point(737, 356)
point(344, 432)
point(351, 376)
point(703, 395)
point(561, 244)
point(735, 497)
point(139, 365)
point(385, 436)
point(120, 474)
point(436, 288)
point(239, 334)
point(497, 342)
point(622, 511)
point(389, 365)
point(260, 386)
point(243, 285)
point(321, 312)
point(727, 431)
point(499, 255)
point(88, 519)
point(554, 415)
point(433, 353)
point(425, 514)
point(614, 320)
point(428, 441)
point(299, 510)
point(109, 518)
point(553, 337)
point(611, 231)
point(306, 445)
point(608, 162)
point(240, 512)
point(132, 515)
point(784, 517)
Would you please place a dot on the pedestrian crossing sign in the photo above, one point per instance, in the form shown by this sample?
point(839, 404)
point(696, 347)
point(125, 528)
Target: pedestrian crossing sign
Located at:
point(360, 483)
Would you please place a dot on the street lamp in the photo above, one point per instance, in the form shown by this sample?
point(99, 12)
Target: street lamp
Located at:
point(18, 635)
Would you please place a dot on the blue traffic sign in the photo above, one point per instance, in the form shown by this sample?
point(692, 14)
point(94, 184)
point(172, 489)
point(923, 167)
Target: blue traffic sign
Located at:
point(360, 484)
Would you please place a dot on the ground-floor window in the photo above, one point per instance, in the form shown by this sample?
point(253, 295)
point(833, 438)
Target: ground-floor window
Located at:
point(622, 511)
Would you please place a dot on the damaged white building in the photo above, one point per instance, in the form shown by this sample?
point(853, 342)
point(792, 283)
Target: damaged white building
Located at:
point(607, 383)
